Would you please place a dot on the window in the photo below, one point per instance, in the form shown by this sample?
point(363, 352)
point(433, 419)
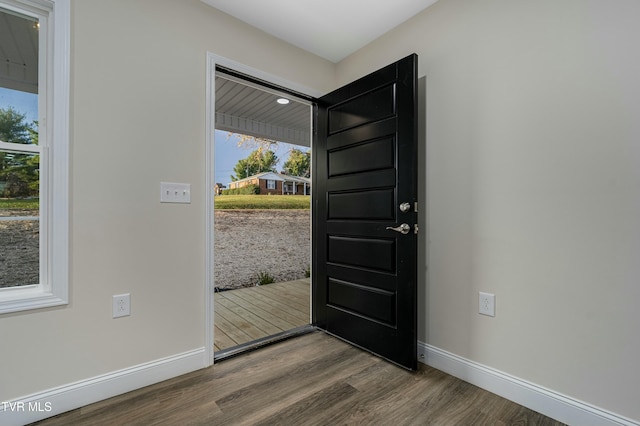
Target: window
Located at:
point(271, 184)
point(34, 96)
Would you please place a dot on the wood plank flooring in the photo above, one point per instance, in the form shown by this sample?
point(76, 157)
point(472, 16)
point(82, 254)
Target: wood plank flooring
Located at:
point(251, 313)
point(313, 379)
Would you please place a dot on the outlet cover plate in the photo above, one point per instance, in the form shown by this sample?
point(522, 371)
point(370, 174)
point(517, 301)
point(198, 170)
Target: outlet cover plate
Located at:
point(121, 305)
point(487, 304)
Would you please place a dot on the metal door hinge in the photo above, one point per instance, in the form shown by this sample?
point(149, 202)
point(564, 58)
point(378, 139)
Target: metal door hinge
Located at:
point(415, 229)
point(415, 207)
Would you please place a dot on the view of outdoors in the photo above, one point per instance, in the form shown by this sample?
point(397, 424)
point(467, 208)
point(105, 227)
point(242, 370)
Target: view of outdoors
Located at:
point(19, 159)
point(262, 217)
point(19, 187)
point(262, 238)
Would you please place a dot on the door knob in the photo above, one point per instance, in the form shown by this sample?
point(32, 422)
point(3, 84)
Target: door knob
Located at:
point(403, 229)
point(405, 207)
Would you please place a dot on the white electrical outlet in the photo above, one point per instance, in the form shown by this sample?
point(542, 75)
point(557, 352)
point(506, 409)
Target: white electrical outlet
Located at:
point(487, 304)
point(121, 305)
point(175, 192)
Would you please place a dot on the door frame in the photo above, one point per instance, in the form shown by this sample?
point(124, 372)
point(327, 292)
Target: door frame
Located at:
point(214, 60)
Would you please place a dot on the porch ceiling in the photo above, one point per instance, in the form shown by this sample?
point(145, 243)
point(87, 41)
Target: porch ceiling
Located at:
point(18, 52)
point(246, 109)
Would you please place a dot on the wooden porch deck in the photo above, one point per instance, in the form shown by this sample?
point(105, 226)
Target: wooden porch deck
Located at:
point(251, 313)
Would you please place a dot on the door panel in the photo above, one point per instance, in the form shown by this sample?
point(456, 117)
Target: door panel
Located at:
point(372, 205)
point(365, 159)
point(349, 251)
point(364, 300)
point(371, 155)
point(364, 108)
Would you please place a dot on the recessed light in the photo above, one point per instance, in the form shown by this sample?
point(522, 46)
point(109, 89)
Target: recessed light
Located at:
point(283, 101)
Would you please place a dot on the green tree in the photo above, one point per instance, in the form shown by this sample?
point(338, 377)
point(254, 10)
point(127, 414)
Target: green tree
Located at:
point(19, 173)
point(298, 163)
point(260, 160)
point(14, 128)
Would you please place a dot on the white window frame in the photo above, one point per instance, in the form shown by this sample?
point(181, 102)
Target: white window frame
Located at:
point(271, 184)
point(53, 129)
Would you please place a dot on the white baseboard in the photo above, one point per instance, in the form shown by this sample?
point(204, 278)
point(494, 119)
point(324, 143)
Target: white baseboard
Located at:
point(55, 401)
point(58, 400)
point(545, 401)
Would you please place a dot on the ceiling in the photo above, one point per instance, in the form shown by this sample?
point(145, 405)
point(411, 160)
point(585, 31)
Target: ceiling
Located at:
point(331, 29)
point(248, 109)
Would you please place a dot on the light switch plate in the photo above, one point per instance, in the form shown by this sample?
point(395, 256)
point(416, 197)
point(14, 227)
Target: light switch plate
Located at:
point(175, 192)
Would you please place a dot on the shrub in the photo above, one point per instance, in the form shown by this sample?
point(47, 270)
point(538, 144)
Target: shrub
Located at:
point(245, 190)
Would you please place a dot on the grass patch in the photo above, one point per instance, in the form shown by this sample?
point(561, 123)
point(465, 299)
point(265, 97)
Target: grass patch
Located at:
point(19, 203)
point(265, 278)
point(262, 202)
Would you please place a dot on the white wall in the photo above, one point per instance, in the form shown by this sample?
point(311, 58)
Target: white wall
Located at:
point(533, 144)
point(137, 118)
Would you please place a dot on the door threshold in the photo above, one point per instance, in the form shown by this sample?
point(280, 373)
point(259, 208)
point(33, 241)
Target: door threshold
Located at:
point(259, 343)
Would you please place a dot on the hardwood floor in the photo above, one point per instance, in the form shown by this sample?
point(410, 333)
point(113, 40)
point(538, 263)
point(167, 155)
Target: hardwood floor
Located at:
point(313, 379)
point(252, 313)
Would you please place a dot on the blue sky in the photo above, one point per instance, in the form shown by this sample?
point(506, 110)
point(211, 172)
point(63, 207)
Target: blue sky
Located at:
point(23, 102)
point(227, 152)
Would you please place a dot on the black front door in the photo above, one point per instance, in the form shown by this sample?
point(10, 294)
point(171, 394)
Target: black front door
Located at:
point(365, 221)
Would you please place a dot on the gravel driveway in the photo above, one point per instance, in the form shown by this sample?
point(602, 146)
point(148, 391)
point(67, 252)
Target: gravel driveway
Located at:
point(247, 242)
point(19, 241)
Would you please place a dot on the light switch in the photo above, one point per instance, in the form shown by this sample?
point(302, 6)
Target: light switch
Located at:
point(175, 192)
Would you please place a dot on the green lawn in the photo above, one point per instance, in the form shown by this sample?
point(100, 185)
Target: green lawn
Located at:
point(221, 202)
point(19, 203)
point(262, 202)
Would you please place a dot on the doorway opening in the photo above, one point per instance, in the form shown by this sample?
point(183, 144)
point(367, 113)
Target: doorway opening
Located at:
point(261, 214)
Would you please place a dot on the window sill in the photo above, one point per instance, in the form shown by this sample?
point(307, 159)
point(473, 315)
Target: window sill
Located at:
point(24, 299)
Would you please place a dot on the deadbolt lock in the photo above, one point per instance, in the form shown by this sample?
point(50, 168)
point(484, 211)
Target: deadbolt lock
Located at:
point(405, 207)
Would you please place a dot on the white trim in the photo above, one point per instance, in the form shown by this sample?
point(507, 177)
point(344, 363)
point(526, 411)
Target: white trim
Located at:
point(75, 395)
point(210, 108)
point(209, 262)
point(53, 106)
point(59, 176)
point(538, 398)
point(20, 148)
